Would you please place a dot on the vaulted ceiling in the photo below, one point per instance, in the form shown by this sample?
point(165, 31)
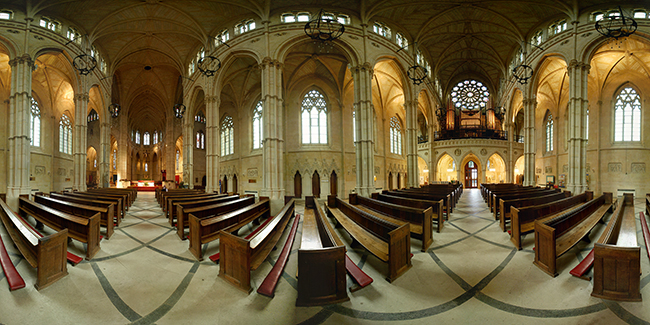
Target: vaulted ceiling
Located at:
point(460, 39)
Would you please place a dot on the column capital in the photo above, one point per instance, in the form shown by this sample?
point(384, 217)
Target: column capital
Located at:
point(268, 62)
point(82, 96)
point(366, 67)
point(25, 58)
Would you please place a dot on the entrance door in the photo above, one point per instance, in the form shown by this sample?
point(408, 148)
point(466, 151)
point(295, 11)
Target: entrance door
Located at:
point(315, 184)
point(333, 184)
point(471, 175)
point(297, 185)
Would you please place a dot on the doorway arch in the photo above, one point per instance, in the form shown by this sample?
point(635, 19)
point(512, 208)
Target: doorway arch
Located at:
point(315, 184)
point(297, 185)
point(333, 184)
point(471, 174)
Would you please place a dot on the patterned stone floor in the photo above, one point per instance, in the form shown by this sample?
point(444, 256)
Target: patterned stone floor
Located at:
point(471, 274)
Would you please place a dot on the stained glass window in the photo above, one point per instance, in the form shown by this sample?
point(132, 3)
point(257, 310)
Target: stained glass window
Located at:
point(65, 134)
point(627, 116)
point(470, 95)
point(227, 136)
point(35, 124)
point(395, 136)
point(549, 133)
point(258, 128)
point(314, 118)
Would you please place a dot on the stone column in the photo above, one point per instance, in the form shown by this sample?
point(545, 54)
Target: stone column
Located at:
point(80, 138)
point(19, 129)
point(510, 164)
point(362, 76)
point(105, 151)
point(578, 104)
point(273, 126)
point(411, 146)
point(123, 149)
point(212, 143)
point(169, 139)
point(188, 150)
point(529, 141)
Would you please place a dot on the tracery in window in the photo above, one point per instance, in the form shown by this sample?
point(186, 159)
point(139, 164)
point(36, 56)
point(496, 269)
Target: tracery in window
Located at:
point(199, 118)
point(244, 27)
point(146, 139)
point(549, 133)
point(537, 38)
point(114, 159)
point(50, 24)
point(314, 118)
point(627, 115)
point(178, 160)
point(137, 137)
point(222, 37)
point(401, 41)
point(470, 95)
point(92, 116)
point(258, 127)
point(354, 127)
point(74, 35)
point(146, 167)
point(155, 137)
point(35, 124)
point(200, 140)
point(227, 136)
point(65, 134)
point(395, 136)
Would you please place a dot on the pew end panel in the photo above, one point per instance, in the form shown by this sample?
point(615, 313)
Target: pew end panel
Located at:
point(321, 276)
point(515, 228)
point(616, 272)
point(235, 263)
point(545, 248)
point(399, 252)
point(51, 259)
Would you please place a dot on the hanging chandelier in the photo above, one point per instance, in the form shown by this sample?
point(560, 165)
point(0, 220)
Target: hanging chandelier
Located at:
point(209, 65)
point(417, 74)
point(84, 63)
point(114, 110)
point(324, 29)
point(179, 110)
point(522, 73)
point(616, 26)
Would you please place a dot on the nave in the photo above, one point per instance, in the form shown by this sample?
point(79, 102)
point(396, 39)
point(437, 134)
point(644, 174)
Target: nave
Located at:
point(144, 274)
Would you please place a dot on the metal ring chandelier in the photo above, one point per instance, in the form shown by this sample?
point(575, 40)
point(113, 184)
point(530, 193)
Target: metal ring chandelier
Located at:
point(179, 110)
point(522, 73)
point(84, 63)
point(324, 29)
point(209, 65)
point(114, 110)
point(616, 26)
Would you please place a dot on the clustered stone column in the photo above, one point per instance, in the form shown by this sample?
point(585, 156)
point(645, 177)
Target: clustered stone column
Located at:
point(273, 125)
point(212, 142)
point(80, 138)
point(170, 147)
point(578, 104)
point(365, 167)
point(105, 151)
point(510, 163)
point(411, 143)
point(19, 129)
point(188, 150)
point(529, 141)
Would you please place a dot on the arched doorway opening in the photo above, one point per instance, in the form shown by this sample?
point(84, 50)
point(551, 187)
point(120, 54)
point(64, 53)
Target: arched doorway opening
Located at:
point(399, 181)
point(224, 185)
point(423, 171)
point(234, 183)
point(446, 169)
point(495, 171)
point(390, 180)
point(519, 170)
point(333, 184)
point(297, 185)
point(471, 175)
point(315, 184)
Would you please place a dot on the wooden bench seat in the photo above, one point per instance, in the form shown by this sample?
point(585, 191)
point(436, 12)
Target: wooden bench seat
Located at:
point(505, 206)
point(46, 253)
point(389, 242)
point(208, 210)
point(172, 202)
point(522, 219)
point(486, 189)
point(436, 206)
point(617, 256)
point(496, 210)
point(205, 230)
point(420, 220)
point(321, 260)
point(82, 210)
point(555, 236)
point(119, 202)
point(132, 193)
point(111, 205)
point(454, 197)
point(446, 199)
point(85, 230)
point(179, 192)
point(182, 216)
point(240, 256)
point(127, 198)
point(492, 198)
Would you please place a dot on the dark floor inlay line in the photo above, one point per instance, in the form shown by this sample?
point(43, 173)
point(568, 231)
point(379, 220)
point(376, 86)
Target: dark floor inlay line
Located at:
point(622, 313)
point(541, 313)
point(112, 295)
point(161, 311)
point(319, 318)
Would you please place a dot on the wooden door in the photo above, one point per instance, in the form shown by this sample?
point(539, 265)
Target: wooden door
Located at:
point(471, 175)
point(333, 184)
point(399, 181)
point(297, 185)
point(315, 184)
point(390, 181)
point(225, 184)
point(234, 183)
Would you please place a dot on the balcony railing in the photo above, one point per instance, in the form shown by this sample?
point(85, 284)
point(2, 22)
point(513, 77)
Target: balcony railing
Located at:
point(519, 138)
point(423, 139)
point(471, 133)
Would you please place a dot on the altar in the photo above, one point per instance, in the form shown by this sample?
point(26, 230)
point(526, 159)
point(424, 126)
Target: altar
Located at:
point(144, 185)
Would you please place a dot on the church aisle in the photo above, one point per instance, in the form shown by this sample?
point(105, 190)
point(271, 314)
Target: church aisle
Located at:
point(471, 274)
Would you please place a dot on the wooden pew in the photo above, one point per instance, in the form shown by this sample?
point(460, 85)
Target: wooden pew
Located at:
point(505, 206)
point(119, 202)
point(240, 256)
point(486, 189)
point(173, 201)
point(435, 193)
point(203, 211)
point(321, 260)
point(163, 195)
point(496, 209)
point(112, 205)
point(446, 199)
point(522, 219)
point(617, 256)
point(389, 242)
point(205, 230)
point(132, 193)
point(82, 210)
point(46, 253)
point(436, 206)
point(180, 207)
point(420, 221)
point(126, 196)
point(555, 236)
point(526, 190)
point(166, 204)
point(85, 230)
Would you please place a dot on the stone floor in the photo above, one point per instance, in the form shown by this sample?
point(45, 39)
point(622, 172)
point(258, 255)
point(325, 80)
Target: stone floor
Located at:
point(471, 274)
